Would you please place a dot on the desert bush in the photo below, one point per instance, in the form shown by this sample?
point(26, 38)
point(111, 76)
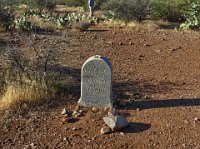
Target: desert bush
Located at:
point(70, 18)
point(42, 4)
point(170, 10)
point(24, 78)
point(25, 21)
point(99, 3)
point(76, 3)
point(192, 15)
point(7, 18)
point(127, 10)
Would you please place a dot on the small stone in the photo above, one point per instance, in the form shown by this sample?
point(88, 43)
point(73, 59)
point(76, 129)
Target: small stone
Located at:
point(173, 49)
point(64, 139)
point(130, 43)
point(66, 115)
point(137, 109)
point(120, 43)
point(147, 97)
point(77, 115)
point(74, 113)
point(109, 42)
point(64, 111)
point(106, 109)
point(147, 45)
point(122, 134)
point(105, 130)
point(184, 145)
point(158, 50)
point(32, 145)
point(94, 109)
point(116, 122)
point(196, 119)
point(74, 128)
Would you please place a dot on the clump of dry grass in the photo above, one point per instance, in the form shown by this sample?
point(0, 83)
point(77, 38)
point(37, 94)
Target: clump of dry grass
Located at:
point(22, 88)
point(147, 25)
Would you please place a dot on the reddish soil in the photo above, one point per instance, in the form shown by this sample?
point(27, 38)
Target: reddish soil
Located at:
point(155, 83)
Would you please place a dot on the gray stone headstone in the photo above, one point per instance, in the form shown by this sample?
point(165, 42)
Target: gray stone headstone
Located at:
point(96, 83)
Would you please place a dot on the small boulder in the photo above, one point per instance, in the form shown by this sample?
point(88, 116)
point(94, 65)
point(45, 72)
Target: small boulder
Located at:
point(116, 122)
point(83, 25)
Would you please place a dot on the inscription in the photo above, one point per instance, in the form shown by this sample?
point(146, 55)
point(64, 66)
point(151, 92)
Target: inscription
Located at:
point(96, 83)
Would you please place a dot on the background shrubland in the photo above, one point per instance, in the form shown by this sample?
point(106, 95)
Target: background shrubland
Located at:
point(183, 11)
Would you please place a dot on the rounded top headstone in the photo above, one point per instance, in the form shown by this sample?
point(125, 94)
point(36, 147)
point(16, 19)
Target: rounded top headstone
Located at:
point(100, 58)
point(96, 82)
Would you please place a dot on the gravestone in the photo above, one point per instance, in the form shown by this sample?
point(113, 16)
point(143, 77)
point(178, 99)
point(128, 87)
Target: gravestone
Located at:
point(96, 83)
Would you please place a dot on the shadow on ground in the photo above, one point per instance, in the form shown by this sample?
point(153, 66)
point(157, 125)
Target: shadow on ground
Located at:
point(149, 104)
point(144, 89)
point(136, 127)
point(138, 95)
point(170, 25)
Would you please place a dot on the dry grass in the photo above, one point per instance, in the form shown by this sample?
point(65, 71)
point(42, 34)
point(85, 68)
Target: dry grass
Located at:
point(65, 8)
point(112, 24)
point(22, 89)
point(149, 25)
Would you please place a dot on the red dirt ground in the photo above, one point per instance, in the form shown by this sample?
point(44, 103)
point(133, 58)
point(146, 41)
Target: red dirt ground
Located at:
point(155, 82)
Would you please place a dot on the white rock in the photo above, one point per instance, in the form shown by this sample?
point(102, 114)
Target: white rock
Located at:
point(116, 122)
point(105, 130)
point(64, 111)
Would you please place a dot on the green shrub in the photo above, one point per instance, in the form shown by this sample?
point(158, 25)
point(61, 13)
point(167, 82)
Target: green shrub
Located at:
point(41, 4)
point(99, 3)
point(170, 10)
point(7, 18)
point(76, 3)
point(192, 15)
point(127, 10)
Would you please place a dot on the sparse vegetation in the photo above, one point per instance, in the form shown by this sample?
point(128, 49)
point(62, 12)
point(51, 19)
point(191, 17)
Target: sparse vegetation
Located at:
point(192, 15)
point(24, 78)
point(19, 87)
point(168, 10)
point(127, 10)
point(7, 18)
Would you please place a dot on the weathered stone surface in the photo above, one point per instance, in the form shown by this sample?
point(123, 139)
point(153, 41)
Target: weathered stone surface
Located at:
point(96, 83)
point(116, 122)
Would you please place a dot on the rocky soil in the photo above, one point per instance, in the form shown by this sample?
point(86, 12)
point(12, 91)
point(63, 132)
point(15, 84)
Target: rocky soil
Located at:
point(155, 84)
